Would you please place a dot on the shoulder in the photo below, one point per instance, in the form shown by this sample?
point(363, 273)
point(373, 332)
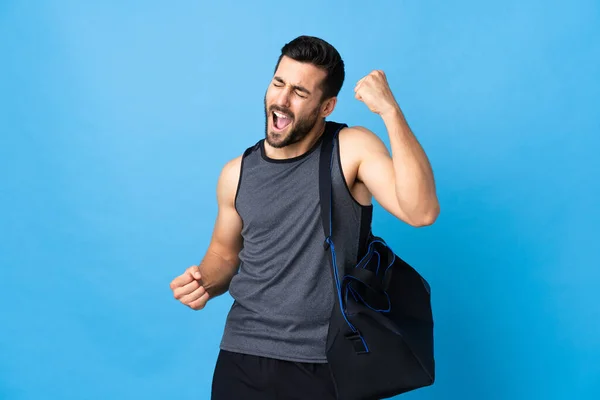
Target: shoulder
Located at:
point(232, 167)
point(229, 178)
point(359, 140)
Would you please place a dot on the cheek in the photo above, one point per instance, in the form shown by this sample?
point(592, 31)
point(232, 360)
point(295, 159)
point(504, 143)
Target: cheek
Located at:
point(271, 95)
point(306, 110)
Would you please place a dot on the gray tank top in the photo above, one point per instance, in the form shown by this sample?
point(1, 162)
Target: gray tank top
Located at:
point(283, 292)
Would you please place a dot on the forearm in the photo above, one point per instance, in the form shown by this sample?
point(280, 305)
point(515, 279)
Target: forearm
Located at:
point(414, 181)
point(217, 273)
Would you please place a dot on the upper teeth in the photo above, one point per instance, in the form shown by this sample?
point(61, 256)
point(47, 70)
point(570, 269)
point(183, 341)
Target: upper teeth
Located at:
point(280, 115)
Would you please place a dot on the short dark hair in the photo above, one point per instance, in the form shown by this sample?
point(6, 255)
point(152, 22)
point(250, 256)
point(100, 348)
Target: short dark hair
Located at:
point(318, 52)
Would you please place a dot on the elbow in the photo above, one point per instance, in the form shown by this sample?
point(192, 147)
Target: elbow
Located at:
point(426, 218)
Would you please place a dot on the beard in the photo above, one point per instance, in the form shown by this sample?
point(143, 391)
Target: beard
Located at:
point(301, 127)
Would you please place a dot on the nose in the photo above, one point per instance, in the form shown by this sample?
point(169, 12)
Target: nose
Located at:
point(282, 98)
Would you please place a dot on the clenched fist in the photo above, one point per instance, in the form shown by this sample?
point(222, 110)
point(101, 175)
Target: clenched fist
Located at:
point(374, 91)
point(188, 289)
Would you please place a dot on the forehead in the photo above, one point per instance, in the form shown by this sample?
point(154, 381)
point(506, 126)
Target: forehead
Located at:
point(300, 73)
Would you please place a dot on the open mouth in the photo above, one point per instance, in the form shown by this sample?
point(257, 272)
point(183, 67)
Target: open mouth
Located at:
point(281, 120)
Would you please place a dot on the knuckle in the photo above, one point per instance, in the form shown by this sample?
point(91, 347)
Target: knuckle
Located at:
point(199, 303)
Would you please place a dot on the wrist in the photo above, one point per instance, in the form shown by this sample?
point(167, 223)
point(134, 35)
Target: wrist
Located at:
point(392, 115)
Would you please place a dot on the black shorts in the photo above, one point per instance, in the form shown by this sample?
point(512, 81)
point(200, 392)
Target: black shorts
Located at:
point(247, 377)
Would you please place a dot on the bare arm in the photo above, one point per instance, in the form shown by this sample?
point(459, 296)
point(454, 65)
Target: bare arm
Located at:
point(403, 183)
point(221, 260)
point(211, 278)
point(414, 181)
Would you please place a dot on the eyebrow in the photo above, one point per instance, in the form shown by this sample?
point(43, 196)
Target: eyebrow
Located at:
point(297, 87)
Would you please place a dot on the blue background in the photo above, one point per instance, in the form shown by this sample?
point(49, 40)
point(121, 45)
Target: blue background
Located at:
point(117, 116)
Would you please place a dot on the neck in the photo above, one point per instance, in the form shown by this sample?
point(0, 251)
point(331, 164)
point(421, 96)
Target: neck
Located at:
point(299, 148)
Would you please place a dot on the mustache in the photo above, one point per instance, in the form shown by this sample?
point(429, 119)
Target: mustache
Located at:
point(282, 110)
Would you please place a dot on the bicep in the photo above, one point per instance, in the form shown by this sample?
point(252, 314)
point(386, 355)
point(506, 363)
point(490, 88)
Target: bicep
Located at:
point(376, 172)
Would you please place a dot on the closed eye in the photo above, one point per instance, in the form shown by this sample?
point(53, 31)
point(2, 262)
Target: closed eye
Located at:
point(278, 82)
point(302, 92)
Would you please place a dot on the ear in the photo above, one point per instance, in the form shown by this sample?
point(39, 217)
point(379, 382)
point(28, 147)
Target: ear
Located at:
point(328, 106)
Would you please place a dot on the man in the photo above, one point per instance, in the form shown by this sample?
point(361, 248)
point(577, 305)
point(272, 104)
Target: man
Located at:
point(267, 243)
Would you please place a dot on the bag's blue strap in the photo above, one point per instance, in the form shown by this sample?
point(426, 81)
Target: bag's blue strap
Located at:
point(326, 200)
point(325, 189)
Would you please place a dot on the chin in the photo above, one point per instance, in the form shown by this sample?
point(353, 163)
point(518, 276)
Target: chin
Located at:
point(278, 139)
